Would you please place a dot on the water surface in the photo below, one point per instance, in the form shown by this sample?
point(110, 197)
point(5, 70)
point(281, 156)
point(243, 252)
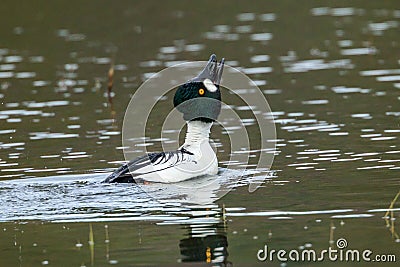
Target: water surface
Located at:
point(330, 73)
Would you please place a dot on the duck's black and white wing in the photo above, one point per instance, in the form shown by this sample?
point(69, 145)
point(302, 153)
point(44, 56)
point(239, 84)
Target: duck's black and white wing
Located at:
point(149, 164)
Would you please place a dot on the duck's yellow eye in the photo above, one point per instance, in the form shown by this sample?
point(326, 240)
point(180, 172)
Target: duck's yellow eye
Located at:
point(201, 91)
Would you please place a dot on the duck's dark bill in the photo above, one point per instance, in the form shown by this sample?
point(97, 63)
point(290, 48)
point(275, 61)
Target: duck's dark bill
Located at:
point(213, 70)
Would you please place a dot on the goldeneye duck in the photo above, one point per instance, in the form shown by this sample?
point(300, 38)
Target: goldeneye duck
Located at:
point(199, 100)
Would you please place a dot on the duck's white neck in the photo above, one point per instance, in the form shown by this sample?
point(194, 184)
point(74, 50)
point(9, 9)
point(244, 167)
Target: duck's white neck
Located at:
point(197, 132)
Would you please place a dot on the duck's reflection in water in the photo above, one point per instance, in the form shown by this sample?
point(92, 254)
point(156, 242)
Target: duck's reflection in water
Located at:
point(210, 249)
point(207, 240)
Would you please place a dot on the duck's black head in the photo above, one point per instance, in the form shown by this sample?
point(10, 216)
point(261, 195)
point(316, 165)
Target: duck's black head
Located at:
point(200, 97)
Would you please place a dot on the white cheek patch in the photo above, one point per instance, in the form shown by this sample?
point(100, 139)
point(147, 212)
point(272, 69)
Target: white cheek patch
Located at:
point(210, 85)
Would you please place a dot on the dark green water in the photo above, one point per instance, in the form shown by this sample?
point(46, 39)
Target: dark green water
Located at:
point(330, 72)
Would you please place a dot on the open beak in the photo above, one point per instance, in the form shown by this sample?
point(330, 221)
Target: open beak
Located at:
point(213, 70)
